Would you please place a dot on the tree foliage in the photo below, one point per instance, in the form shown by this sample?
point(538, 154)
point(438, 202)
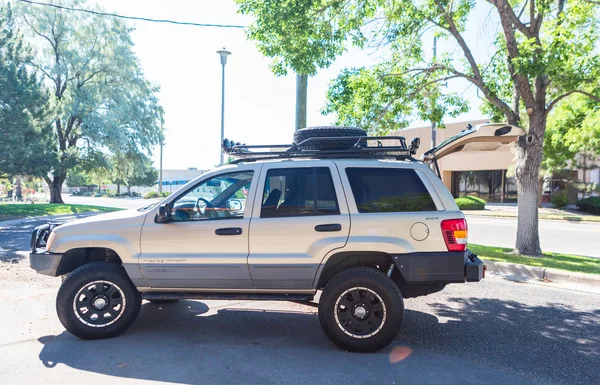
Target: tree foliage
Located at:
point(100, 99)
point(572, 131)
point(546, 51)
point(24, 131)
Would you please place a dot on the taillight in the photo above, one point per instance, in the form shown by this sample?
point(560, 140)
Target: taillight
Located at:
point(455, 234)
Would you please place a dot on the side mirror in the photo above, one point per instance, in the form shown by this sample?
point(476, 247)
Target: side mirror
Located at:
point(235, 205)
point(164, 214)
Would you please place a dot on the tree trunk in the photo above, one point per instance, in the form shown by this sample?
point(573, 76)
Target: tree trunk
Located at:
point(529, 158)
point(55, 186)
point(118, 189)
point(128, 190)
point(18, 189)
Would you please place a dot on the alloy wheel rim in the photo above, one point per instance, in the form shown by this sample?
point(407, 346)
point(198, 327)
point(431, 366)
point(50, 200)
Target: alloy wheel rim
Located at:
point(99, 304)
point(360, 312)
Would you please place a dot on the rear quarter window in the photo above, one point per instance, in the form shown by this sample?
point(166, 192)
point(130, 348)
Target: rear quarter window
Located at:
point(388, 190)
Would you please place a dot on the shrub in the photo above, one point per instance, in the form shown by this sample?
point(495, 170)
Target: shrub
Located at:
point(560, 200)
point(165, 194)
point(152, 194)
point(470, 203)
point(590, 205)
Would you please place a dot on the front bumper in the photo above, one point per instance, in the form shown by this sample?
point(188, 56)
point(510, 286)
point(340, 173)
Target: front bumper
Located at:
point(44, 262)
point(41, 260)
point(440, 267)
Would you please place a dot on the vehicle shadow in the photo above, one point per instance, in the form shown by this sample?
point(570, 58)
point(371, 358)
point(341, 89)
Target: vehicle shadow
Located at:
point(553, 341)
point(188, 342)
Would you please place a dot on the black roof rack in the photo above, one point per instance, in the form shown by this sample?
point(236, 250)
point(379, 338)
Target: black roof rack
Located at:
point(370, 147)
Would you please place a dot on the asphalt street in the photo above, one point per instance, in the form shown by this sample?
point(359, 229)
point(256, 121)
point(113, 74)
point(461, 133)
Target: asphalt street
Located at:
point(581, 238)
point(493, 332)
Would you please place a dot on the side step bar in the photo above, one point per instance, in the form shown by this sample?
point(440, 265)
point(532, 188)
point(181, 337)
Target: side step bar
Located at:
point(216, 296)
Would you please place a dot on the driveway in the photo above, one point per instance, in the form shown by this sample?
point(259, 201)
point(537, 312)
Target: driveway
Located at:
point(581, 238)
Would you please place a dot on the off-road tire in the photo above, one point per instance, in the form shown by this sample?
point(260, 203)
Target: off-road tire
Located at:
point(162, 301)
point(84, 276)
point(369, 279)
point(326, 132)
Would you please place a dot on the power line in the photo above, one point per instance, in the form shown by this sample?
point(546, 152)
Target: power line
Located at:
point(116, 15)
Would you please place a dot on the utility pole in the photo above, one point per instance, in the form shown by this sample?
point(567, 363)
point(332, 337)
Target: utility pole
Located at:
point(160, 175)
point(301, 99)
point(433, 124)
point(223, 53)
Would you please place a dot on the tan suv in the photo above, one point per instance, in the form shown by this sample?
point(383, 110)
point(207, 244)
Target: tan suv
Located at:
point(355, 217)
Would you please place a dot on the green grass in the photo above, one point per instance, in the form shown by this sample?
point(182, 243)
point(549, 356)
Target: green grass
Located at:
point(24, 210)
point(549, 260)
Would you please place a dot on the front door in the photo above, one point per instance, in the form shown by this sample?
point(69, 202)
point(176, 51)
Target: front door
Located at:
point(205, 242)
point(299, 216)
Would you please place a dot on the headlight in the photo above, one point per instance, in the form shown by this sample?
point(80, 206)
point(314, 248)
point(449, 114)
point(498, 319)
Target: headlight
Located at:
point(50, 241)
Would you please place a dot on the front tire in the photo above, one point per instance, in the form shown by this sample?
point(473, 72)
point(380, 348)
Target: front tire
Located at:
point(361, 310)
point(98, 300)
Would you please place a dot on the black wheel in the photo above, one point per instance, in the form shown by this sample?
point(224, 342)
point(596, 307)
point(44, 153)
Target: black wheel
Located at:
point(325, 132)
point(98, 300)
point(361, 310)
point(162, 301)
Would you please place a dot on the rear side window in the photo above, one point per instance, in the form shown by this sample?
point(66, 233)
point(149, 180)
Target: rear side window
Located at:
point(388, 190)
point(293, 192)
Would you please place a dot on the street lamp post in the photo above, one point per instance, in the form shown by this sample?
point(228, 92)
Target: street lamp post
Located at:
point(223, 53)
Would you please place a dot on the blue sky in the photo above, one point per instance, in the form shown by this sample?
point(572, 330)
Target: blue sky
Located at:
point(259, 106)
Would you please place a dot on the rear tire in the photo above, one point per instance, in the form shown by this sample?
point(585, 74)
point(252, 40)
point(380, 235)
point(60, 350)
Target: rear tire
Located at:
point(324, 132)
point(361, 310)
point(98, 300)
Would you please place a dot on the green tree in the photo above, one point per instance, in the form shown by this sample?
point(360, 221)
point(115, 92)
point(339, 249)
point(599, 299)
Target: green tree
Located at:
point(573, 139)
point(24, 132)
point(132, 168)
point(101, 101)
point(79, 178)
point(545, 52)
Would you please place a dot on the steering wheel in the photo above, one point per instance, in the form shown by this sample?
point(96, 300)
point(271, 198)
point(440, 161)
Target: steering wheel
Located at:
point(209, 206)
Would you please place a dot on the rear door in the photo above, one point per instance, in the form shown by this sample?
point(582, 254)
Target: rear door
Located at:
point(300, 214)
point(481, 138)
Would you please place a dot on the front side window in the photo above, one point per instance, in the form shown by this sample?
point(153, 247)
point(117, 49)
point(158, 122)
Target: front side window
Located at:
point(220, 197)
point(293, 192)
point(385, 190)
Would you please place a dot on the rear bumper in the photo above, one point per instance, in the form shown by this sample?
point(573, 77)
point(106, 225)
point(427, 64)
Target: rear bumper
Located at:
point(442, 267)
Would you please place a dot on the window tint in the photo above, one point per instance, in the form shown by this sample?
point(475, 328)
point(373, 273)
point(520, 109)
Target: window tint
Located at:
point(380, 190)
point(295, 192)
point(221, 197)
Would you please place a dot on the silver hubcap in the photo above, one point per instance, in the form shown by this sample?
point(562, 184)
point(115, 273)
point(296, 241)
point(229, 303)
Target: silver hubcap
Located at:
point(100, 303)
point(360, 312)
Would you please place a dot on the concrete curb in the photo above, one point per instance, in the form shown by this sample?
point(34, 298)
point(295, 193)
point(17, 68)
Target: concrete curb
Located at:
point(522, 273)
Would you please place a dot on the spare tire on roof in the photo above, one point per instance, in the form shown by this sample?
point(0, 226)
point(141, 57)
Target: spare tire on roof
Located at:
point(328, 132)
